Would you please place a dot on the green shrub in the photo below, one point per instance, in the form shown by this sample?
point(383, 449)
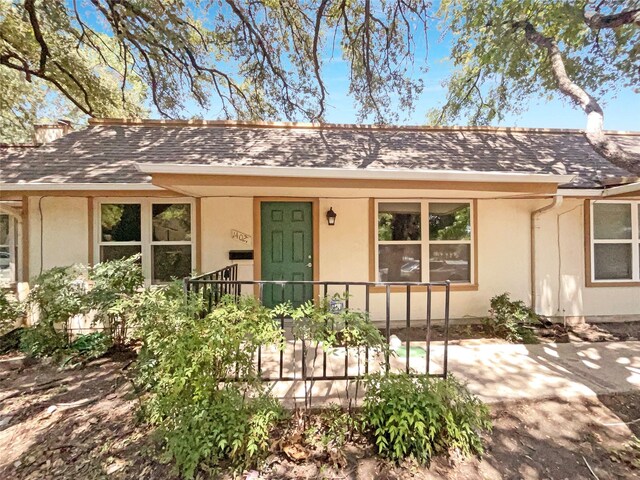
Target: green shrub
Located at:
point(42, 341)
point(114, 281)
point(57, 295)
point(92, 345)
point(219, 430)
point(183, 361)
point(506, 319)
point(421, 417)
point(11, 310)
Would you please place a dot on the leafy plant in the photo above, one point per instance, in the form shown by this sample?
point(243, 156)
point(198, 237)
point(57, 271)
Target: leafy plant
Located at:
point(57, 295)
point(421, 417)
point(42, 341)
point(224, 428)
point(184, 362)
point(112, 281)
point(319, 324)
point(10, 311)
point(92, 345)
point(507, 318)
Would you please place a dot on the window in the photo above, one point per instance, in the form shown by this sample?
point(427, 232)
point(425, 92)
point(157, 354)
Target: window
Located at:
point(404, 239)
point(615, 241)
point(161, 231)
point(8, 249)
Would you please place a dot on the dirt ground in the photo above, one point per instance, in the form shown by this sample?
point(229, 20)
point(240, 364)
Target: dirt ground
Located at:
point(82, 424)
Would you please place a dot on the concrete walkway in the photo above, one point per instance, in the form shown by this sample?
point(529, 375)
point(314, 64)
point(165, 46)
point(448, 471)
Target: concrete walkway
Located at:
point(502, 372)
point(508, 372)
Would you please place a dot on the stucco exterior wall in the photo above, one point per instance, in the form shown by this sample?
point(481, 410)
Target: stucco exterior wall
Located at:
point(560, 270)
point(503, 249)
point(64, 236)
point(219, 216)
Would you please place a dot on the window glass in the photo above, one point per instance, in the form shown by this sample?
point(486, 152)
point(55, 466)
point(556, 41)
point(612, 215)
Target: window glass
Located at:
point(399, 263)
point(5, 265)
point(398, 221)
point(170, 262)
point(449, 262)
point(120, 222)
point(612, 261)
point(449, 221)
point(116, 252)
point(612, 221)
point(171, 222)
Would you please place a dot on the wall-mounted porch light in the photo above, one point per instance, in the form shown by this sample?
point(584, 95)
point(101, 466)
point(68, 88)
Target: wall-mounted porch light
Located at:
point(331, 216)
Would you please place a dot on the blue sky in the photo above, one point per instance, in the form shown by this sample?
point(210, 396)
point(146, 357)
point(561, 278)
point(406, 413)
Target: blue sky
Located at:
point(622, 110)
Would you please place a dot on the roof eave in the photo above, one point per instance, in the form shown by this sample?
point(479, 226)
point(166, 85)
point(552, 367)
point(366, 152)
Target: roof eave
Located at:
point(40, 186)
point(354, 173)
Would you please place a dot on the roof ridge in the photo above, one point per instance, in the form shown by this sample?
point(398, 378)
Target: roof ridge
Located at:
point(334, 126)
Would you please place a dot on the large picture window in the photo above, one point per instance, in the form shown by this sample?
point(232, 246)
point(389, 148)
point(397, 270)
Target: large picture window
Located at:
point(410, 231)
point(159, 230)
point(615, 241)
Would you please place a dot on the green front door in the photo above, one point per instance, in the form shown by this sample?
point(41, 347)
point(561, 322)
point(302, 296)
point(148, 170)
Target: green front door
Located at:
point(287, 250)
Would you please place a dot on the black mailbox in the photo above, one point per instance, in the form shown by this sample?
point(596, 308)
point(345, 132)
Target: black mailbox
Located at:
point(240, 254)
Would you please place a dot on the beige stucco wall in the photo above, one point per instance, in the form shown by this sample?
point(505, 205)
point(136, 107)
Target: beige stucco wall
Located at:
point(219, 216)
point(560, 270)
point(65, 232)
point(503, 252)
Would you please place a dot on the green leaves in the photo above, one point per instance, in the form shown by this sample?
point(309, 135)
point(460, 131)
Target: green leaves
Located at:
point(506, 319)
point(420, 417)
point(498, 71)
point(184, 364)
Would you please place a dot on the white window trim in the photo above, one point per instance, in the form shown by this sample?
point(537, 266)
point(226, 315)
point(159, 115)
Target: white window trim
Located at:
point(146, 229)
point(634, 241)
point(424, 235)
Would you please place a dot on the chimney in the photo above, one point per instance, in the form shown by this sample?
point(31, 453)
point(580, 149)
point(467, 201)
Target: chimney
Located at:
point(48, 132)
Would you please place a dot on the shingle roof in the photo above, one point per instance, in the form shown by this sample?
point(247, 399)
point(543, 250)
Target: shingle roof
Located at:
point(107, 152)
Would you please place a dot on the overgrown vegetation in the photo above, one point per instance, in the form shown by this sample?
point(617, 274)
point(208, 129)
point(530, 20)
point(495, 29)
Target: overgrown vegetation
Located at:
point(421, 417)
point(100, 294)
point(197, 377)
point(204, 421)
point(511, 320)
point(11, 310)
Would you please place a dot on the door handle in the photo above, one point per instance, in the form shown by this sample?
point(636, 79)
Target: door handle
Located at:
point(309, 265)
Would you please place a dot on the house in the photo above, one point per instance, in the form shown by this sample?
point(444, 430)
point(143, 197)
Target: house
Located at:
point(533, 212)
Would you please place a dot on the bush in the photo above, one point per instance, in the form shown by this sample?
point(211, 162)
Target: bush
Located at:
point(183, 362)
point(219, 430)
point(57, 295)
point(113, 282)
point(42, 341)
point(506, 319)
point(10, 312)
point(93, 345)
point(419, 418)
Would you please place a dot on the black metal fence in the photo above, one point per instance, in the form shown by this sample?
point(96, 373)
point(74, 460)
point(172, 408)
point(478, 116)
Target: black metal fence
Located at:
point(213, 286)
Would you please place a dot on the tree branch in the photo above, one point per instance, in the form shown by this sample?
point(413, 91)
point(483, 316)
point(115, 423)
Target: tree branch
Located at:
point(29, 6)
point(594, 132)
point(597, 21)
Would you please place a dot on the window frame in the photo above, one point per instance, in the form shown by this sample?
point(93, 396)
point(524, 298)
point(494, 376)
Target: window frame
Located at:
point(425, 240)
point(591, 242)
point(146, 242)
point(13, 235)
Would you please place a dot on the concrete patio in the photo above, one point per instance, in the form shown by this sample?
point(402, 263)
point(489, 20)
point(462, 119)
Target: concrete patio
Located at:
point(498, 372)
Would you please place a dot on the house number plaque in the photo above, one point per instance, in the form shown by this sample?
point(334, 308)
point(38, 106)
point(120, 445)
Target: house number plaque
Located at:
point(240, 236)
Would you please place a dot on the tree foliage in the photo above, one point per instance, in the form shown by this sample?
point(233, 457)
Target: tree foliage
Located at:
point(254, 59)
point(506, 53)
